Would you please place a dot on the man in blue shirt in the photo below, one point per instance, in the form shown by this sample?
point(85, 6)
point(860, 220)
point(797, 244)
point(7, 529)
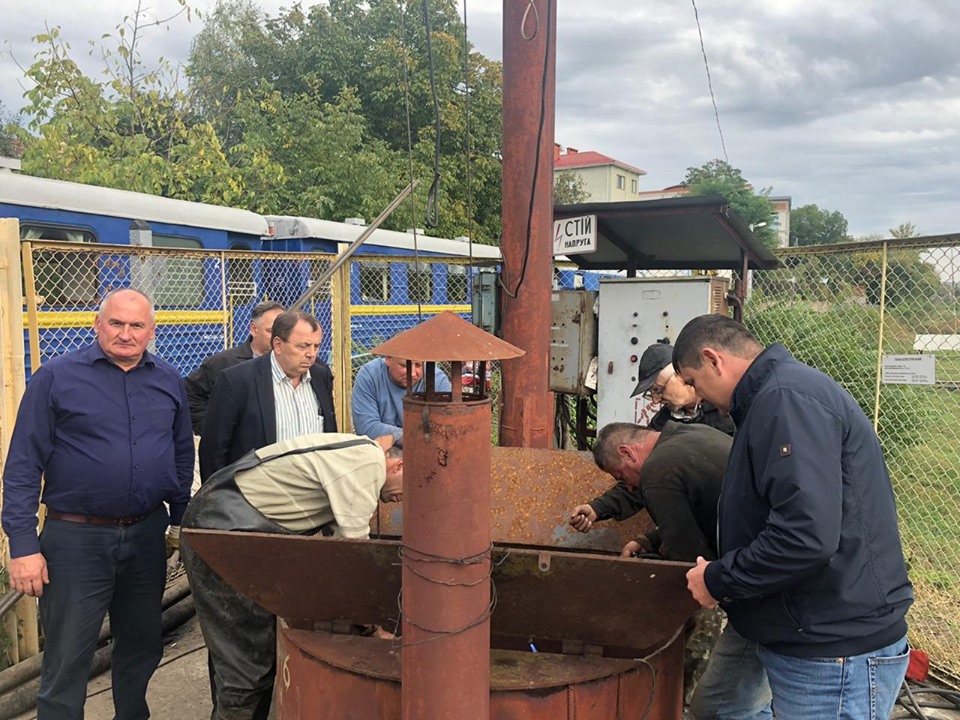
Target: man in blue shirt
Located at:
point(108, 427)
point(377, 400)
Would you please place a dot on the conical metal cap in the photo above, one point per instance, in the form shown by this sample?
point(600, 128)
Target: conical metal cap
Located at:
point(447, 337)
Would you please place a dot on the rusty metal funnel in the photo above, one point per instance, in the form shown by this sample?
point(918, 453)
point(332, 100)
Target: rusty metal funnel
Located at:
point(447, 337)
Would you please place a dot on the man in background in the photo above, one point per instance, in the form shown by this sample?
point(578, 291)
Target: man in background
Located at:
point(107, 427)
point(378, 390)
point(322, 483)
point(280, 395)
point(200, 382)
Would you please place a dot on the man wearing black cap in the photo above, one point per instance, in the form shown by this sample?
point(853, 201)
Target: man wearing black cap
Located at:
point(659, 382)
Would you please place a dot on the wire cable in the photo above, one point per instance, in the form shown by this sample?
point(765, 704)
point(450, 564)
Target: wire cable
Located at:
point(406, 98)
point(713, 99)
point(543, 112)
point(433, 206)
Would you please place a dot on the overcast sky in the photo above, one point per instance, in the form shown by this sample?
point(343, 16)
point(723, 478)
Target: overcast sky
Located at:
point(852, 106)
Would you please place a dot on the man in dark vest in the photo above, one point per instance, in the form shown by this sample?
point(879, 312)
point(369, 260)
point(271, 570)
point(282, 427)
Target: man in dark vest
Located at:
point(326, 483)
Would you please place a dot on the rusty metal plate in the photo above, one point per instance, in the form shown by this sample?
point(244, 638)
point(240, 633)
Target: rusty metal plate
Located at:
point(447, 336)
point(532, 493)
point(510, 670)
point(545, 595)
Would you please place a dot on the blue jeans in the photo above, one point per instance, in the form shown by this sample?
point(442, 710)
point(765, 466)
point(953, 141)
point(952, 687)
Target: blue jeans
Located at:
point(734, 685)
point(93, 569)
point(859, 687)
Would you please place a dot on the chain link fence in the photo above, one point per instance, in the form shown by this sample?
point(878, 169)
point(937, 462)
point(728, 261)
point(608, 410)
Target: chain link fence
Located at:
point(853, 311)
point(842, 309)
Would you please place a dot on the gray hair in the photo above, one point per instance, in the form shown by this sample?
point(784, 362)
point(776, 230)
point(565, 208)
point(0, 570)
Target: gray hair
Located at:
point(610, 438)
point(263, 308)
point(135, 291)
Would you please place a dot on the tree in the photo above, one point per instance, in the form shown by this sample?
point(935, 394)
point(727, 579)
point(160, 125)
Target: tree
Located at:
point(376, 52)
point(719, 177)
point(809, 225)
point(10, 144)
point(905, 230)
point(569, 188)
point(134, 129)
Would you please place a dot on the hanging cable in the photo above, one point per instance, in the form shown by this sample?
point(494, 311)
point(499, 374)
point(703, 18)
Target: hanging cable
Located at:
point(703, 49)
point(543, 113)
point(467, 145)
point(433, 204)
point(406, 102)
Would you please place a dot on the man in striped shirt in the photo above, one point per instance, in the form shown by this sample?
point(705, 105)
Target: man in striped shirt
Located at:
point(281, 395)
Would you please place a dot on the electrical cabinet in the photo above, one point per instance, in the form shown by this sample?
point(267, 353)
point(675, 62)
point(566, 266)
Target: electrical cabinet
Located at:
point(573, 341)
point(634, 313)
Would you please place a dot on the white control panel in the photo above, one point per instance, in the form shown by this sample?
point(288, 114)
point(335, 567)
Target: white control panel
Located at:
point(634, 314)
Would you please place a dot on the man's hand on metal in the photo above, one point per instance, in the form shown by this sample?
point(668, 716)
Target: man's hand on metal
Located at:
point(641, 545)
point(698, 587)
point(28, 574)
point(582, 518)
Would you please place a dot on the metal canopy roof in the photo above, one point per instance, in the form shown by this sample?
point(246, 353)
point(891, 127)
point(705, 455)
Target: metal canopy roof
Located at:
point(694, 232)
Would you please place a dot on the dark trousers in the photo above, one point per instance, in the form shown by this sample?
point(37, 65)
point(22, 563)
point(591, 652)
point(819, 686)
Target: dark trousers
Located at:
point(94, 569)
point(241, 643)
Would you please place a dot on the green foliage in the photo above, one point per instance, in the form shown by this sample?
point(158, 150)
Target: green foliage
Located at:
point(905, 230)
point(568, 188)
point(10, 144)
point(369, 53)
point(907, 277)
point(719, 177)
point(129, 131)
point(809, 225)
point(842, 344)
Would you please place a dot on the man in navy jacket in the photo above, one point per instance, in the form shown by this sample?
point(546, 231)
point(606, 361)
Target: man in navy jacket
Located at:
point(810, 565)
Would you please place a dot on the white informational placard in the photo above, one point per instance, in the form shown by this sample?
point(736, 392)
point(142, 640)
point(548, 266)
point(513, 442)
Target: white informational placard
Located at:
point(909, 369)
point(576, 235)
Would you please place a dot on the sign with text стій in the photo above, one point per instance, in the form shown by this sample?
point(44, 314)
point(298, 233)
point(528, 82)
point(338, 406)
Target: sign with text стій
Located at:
point(575, 235)
point(909, 369)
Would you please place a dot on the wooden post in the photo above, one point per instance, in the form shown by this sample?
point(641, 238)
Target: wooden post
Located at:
point(341, 344)
point(24, 643)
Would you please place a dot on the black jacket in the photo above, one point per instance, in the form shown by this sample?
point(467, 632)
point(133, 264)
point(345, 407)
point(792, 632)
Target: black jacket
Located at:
point(621, 502)
point(707, 414)
point(811, 563)
point(241, 415)
point(200, 382)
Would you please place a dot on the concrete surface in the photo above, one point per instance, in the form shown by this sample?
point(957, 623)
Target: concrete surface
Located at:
point(179, 689)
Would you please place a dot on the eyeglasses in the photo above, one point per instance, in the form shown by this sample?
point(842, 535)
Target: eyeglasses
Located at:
point(656, 391)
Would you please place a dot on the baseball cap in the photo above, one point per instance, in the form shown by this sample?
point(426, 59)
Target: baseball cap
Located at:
point(654, 359)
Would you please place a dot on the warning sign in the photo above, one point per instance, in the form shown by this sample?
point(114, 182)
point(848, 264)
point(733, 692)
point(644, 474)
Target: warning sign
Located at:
point(573, 236)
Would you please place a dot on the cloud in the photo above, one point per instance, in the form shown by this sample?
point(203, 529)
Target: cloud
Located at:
point(851, 106)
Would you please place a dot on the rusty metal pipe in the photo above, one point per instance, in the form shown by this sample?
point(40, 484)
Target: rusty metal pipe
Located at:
point(529, 89)
point(446, 560)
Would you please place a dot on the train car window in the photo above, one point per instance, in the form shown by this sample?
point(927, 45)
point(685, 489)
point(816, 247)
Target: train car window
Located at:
point(179, 280)
point(374, 282)
point(241, 286)
point(420, 282)
point(456, 284)
point(62, 278)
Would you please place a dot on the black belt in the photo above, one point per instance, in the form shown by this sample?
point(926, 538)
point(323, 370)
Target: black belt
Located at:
point(96, 520)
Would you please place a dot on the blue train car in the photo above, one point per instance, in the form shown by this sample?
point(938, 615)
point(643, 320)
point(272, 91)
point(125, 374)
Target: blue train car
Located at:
point(407, 277)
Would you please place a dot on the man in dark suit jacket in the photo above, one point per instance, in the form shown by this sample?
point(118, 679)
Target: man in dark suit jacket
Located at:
point(283, 394)
point(200, 382)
